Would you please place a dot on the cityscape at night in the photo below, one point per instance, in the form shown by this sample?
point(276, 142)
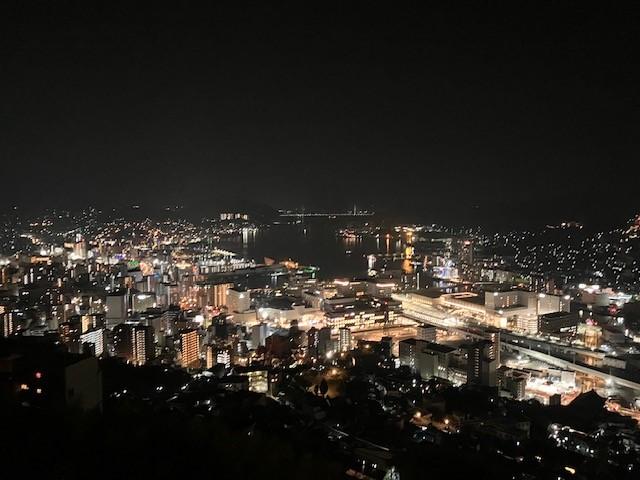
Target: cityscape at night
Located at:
point(322, 241)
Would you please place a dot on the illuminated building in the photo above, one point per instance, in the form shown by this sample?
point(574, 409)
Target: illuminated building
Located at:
point(69, 333)
point(8, 321)
point(134, 343)
point(142, 301)
point(238, 300)
point(143, 344)
point(88, 322)
point(218, 355)
point(512, 380)
point(426, 333)
point(428, 359)
point(527, 323)
point(79, 248)
point(358, 319)
point(560, 324)
point(219, 294)
point(189, 348)
point(358, 312)
point(408, 352)
point(223, 357)
point(344, 339)
point(381, 288)
point(350, 288)
point(94, 340)
point(506, 305)
point(465, 252)
point(312, 342)
point(258, 379)
point(259, 333)
point(481, 363)
point(210, 356)
point(234, 216)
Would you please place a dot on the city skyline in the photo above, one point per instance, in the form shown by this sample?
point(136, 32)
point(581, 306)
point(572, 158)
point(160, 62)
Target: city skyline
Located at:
point(319, 240)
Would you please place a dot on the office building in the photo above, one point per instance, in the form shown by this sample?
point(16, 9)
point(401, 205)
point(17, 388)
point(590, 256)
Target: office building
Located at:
point(559, 324)
point(312, 342)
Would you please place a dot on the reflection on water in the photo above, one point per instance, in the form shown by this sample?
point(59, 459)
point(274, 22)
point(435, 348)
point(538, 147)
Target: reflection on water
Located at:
point(317, 245)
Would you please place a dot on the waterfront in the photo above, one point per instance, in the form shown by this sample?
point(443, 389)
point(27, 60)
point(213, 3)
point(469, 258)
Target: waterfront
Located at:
point(316, 244)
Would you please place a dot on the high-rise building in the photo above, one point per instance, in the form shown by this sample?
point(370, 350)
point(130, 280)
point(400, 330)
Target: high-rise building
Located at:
point(344, 339)
point(426, 358)
point(465, 252)
point(143, 344)
point(223, 357)
point(69, 333)
point(493, 335)
point(8, 321)
point(91, 321)
point(408, 352)
point(259, 334)
point(325, 345)
point(219, 294)
point(134, 343)
point(93, 339)
point(481, 363)
point(210, 356)
point(218, 355)
point(80, 248)
point(189, 348)
point(116, 309)
point(312, 342)
point(512, 380)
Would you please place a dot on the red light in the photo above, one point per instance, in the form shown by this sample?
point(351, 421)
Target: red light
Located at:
point(38, 375)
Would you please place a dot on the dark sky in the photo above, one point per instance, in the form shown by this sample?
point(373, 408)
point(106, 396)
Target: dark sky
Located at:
point(521, 112)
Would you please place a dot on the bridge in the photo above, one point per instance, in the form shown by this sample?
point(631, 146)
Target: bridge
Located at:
point(326, 215)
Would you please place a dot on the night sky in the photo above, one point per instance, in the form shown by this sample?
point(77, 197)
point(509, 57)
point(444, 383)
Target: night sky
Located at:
point(479, 113)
